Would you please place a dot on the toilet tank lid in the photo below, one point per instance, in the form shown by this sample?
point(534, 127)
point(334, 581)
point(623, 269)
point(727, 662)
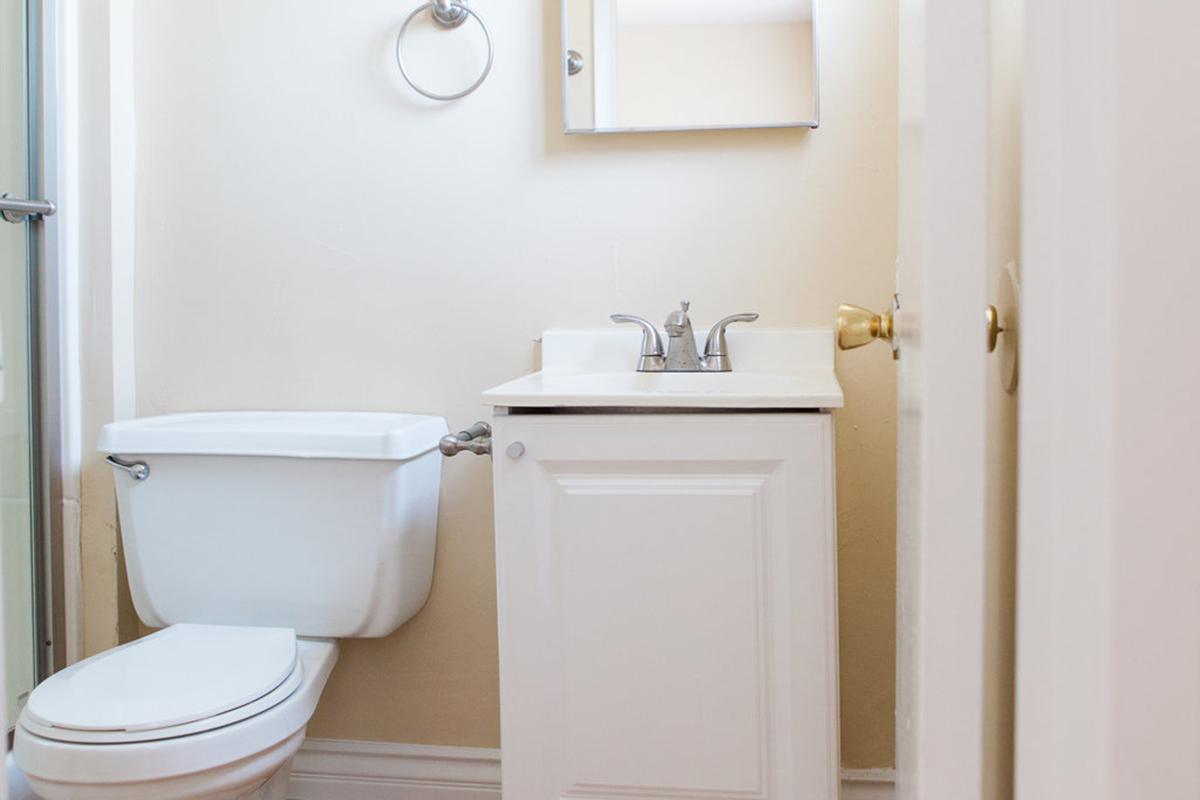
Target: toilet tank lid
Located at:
point(340, 435)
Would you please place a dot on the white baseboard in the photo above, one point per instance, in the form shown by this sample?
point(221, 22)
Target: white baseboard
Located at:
point(331, 769)
point(868, 784)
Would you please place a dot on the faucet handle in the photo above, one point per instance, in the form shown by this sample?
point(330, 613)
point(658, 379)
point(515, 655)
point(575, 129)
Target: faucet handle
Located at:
point(651, 358)
point(716, 349)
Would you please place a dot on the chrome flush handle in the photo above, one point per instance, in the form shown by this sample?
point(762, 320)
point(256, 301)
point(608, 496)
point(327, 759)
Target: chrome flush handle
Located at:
point(138, 470)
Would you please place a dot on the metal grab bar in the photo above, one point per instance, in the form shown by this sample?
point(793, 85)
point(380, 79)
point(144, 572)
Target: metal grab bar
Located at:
point(16, 210)
point(138, 470)
point(476, 439)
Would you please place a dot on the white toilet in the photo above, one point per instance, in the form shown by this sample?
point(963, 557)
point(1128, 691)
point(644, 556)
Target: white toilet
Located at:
point(253, 540)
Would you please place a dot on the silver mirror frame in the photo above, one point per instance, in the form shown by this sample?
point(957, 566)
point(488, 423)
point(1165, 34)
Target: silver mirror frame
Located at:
point(565, 62)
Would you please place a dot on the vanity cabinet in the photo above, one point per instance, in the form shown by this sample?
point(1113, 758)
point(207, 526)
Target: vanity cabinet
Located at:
point(667, 604)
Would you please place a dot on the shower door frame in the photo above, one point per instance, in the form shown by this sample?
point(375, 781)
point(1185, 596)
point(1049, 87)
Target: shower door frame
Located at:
point(49, 467)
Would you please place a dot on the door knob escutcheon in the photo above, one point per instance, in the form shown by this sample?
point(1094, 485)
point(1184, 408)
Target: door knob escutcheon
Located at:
point(1004, 317)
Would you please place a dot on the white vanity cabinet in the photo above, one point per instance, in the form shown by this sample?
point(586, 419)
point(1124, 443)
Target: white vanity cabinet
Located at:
point(667, 605)
point(666, 567)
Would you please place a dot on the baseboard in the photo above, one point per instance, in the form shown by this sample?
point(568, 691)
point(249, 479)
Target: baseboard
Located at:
point(868, 784)
point(331, 769)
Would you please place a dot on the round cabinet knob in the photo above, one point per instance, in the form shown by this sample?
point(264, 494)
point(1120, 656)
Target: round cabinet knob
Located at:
point(575, 62)
point(515, 450)
point(858, 326)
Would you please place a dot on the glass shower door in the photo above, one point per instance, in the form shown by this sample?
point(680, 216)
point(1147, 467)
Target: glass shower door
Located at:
point(17, 246)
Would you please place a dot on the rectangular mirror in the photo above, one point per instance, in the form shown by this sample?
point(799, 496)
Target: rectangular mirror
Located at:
point(662, 65)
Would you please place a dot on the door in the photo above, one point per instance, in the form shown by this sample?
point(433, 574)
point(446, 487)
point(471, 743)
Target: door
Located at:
point(19, 249)
point(1108, 701)
point(958, 245)
point(668, 624)
point(958, 234)
point(941, 280)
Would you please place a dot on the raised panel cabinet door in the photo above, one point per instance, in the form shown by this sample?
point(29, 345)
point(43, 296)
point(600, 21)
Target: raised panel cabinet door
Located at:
point(666, 589)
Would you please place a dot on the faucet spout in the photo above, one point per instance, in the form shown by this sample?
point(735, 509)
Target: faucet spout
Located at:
point(682, 355)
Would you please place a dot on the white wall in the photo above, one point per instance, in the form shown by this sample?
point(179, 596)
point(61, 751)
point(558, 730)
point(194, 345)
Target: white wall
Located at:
point(309, 235)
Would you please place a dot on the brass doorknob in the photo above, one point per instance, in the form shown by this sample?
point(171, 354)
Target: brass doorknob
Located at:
point(993, 327)
point(859, 326)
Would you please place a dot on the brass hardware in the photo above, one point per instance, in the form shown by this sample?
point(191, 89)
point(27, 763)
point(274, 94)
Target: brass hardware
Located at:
point(858, 326)
point(1005, 317)
point(993, 327)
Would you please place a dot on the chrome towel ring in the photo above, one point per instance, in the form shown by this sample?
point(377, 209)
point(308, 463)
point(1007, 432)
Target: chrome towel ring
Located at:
point(449, 14)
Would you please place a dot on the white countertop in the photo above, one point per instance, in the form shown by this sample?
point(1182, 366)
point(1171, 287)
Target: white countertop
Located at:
point(782, 368)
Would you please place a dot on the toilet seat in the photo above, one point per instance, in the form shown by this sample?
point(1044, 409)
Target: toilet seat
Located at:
point(183, 680)
point(189, 766)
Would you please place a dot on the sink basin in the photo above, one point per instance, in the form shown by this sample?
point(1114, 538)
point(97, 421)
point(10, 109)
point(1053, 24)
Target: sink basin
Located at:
point(790, 369)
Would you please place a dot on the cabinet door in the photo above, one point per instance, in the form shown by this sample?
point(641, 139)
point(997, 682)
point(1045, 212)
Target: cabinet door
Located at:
point(667, 607)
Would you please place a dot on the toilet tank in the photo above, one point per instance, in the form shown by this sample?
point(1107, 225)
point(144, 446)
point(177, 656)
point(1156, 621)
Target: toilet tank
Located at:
point(325, 523)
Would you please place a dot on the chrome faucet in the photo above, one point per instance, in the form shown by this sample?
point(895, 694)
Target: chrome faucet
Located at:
point(681, 354)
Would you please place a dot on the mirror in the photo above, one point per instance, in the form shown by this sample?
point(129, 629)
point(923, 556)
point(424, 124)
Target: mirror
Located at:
point(661, 65)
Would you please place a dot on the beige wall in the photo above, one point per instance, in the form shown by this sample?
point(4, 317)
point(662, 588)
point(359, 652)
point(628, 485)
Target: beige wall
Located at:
point(311, 236)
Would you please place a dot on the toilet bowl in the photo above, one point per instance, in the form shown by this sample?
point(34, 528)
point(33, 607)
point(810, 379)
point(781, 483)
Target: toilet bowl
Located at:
point(253, 541)
point(137, 723)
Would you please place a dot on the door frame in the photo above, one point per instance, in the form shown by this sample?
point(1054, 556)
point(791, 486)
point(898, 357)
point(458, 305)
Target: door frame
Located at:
point(942, 402)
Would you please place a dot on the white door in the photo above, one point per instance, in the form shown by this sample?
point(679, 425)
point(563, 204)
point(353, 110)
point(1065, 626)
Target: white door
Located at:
point(1109, 623)
point(958, 230)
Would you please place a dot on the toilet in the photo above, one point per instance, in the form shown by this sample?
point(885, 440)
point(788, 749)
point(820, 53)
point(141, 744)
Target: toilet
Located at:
point(253, 541)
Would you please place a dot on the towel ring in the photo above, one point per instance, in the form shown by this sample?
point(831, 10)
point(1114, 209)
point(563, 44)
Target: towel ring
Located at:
point(453, 15)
